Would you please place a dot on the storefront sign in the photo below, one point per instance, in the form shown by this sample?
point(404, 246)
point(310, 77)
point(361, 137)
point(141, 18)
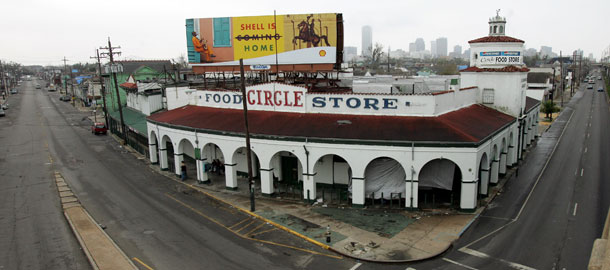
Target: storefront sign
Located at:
point(500, 58)
point(288, 98)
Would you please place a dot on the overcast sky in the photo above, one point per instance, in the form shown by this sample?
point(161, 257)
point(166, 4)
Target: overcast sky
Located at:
point(44, 31)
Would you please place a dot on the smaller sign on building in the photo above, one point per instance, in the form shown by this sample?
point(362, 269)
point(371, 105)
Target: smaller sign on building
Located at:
point(260, 67)
point(500, 58)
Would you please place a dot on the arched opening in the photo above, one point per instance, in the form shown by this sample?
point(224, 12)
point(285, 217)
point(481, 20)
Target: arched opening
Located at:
point(511, 150)
point(332, 175)
point(241, 166)
point(501, 29)
point(503, 157)
point(484, 176)
point(214, 161)
point(153, 148)
point(440, 184)
point(384, 180)
point(167, 154)
point(490, 29)
point(186, 154)
point(495, 165)
point(495, 29)
point(287, 174)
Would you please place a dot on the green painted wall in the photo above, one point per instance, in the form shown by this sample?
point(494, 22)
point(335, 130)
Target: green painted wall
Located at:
point(142, 73)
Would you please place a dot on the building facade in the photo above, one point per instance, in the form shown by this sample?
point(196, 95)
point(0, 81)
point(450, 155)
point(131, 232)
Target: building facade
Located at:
point(447, 147)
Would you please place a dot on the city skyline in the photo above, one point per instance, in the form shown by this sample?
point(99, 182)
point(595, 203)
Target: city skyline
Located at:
point(71, 29)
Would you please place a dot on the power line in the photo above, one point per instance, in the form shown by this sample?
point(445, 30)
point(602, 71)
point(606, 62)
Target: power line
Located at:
point(99, 65)
point(113, 69)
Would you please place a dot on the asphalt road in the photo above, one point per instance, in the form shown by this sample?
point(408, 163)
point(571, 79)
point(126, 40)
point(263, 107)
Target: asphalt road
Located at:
point(33, 231)
point(156, 221)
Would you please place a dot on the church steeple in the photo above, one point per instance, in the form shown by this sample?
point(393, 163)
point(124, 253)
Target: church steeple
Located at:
point(497, 25)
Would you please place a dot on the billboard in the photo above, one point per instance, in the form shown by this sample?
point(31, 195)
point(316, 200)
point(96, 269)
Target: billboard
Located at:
point(265, 40)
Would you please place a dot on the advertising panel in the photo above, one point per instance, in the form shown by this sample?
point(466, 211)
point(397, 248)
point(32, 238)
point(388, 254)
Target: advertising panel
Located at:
point(500, 58)
point(263, 40)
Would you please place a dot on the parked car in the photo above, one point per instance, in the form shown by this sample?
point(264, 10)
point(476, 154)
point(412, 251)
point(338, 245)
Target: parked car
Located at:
point(601, 89)
point(38, 86)
point(4, 106)
point(2, 112)
point(599, 78)
point(99, 128)
point(65, 98)
point(14, 91)
point(589, 86)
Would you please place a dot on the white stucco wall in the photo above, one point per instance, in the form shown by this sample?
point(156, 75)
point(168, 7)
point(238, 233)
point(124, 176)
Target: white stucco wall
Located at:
point(509, 89)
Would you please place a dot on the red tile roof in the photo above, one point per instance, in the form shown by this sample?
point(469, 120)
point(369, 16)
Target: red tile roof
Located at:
point(129, 85)
point(530, 103)
point(504, 69)
point(472, 124)
point(496, 39)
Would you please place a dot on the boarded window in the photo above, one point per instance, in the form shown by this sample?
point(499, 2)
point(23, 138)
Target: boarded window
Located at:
point(222, 32)
point(488, 96)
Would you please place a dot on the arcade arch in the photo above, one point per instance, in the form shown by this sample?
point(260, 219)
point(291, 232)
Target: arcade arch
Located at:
point(440, 184)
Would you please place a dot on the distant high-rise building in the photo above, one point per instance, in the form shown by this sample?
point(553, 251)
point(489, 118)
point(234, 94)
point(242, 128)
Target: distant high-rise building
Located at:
point(466, 53)
point(591, 57)
point(457, 50)
point(367, 41)
point(349, 53)
point(420, 45)
point(433, 48)
point(412, 47)
point(441, 47)
point(530, 52)
point(546, 51)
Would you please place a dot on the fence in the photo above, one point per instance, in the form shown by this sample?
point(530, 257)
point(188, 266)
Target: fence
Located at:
point(395, 200)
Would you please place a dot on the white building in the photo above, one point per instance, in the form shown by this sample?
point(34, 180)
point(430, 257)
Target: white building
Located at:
point(450, 145)
point(144, 97)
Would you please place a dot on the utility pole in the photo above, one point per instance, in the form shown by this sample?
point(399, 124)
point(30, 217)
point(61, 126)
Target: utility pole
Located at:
point(111, 54)
point(66, 70)
point(248, 151)
point(99, 66)
point(561, 76)
point(6, 92)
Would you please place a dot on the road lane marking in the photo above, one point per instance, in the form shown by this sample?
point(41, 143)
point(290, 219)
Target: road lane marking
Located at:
point(250, 223)
point(235, 225)
point(257, 227)
point(485, 256)
point(246, 237)
point(588, 135)
point(586, 148)
point(575, 207)
point(582, 171)
point(142, 263)
point(459, 264)
point(265, 231)
point(355, 266)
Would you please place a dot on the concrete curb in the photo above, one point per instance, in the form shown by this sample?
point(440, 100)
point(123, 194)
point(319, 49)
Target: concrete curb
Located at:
point(81, 242)
point(76, 204)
